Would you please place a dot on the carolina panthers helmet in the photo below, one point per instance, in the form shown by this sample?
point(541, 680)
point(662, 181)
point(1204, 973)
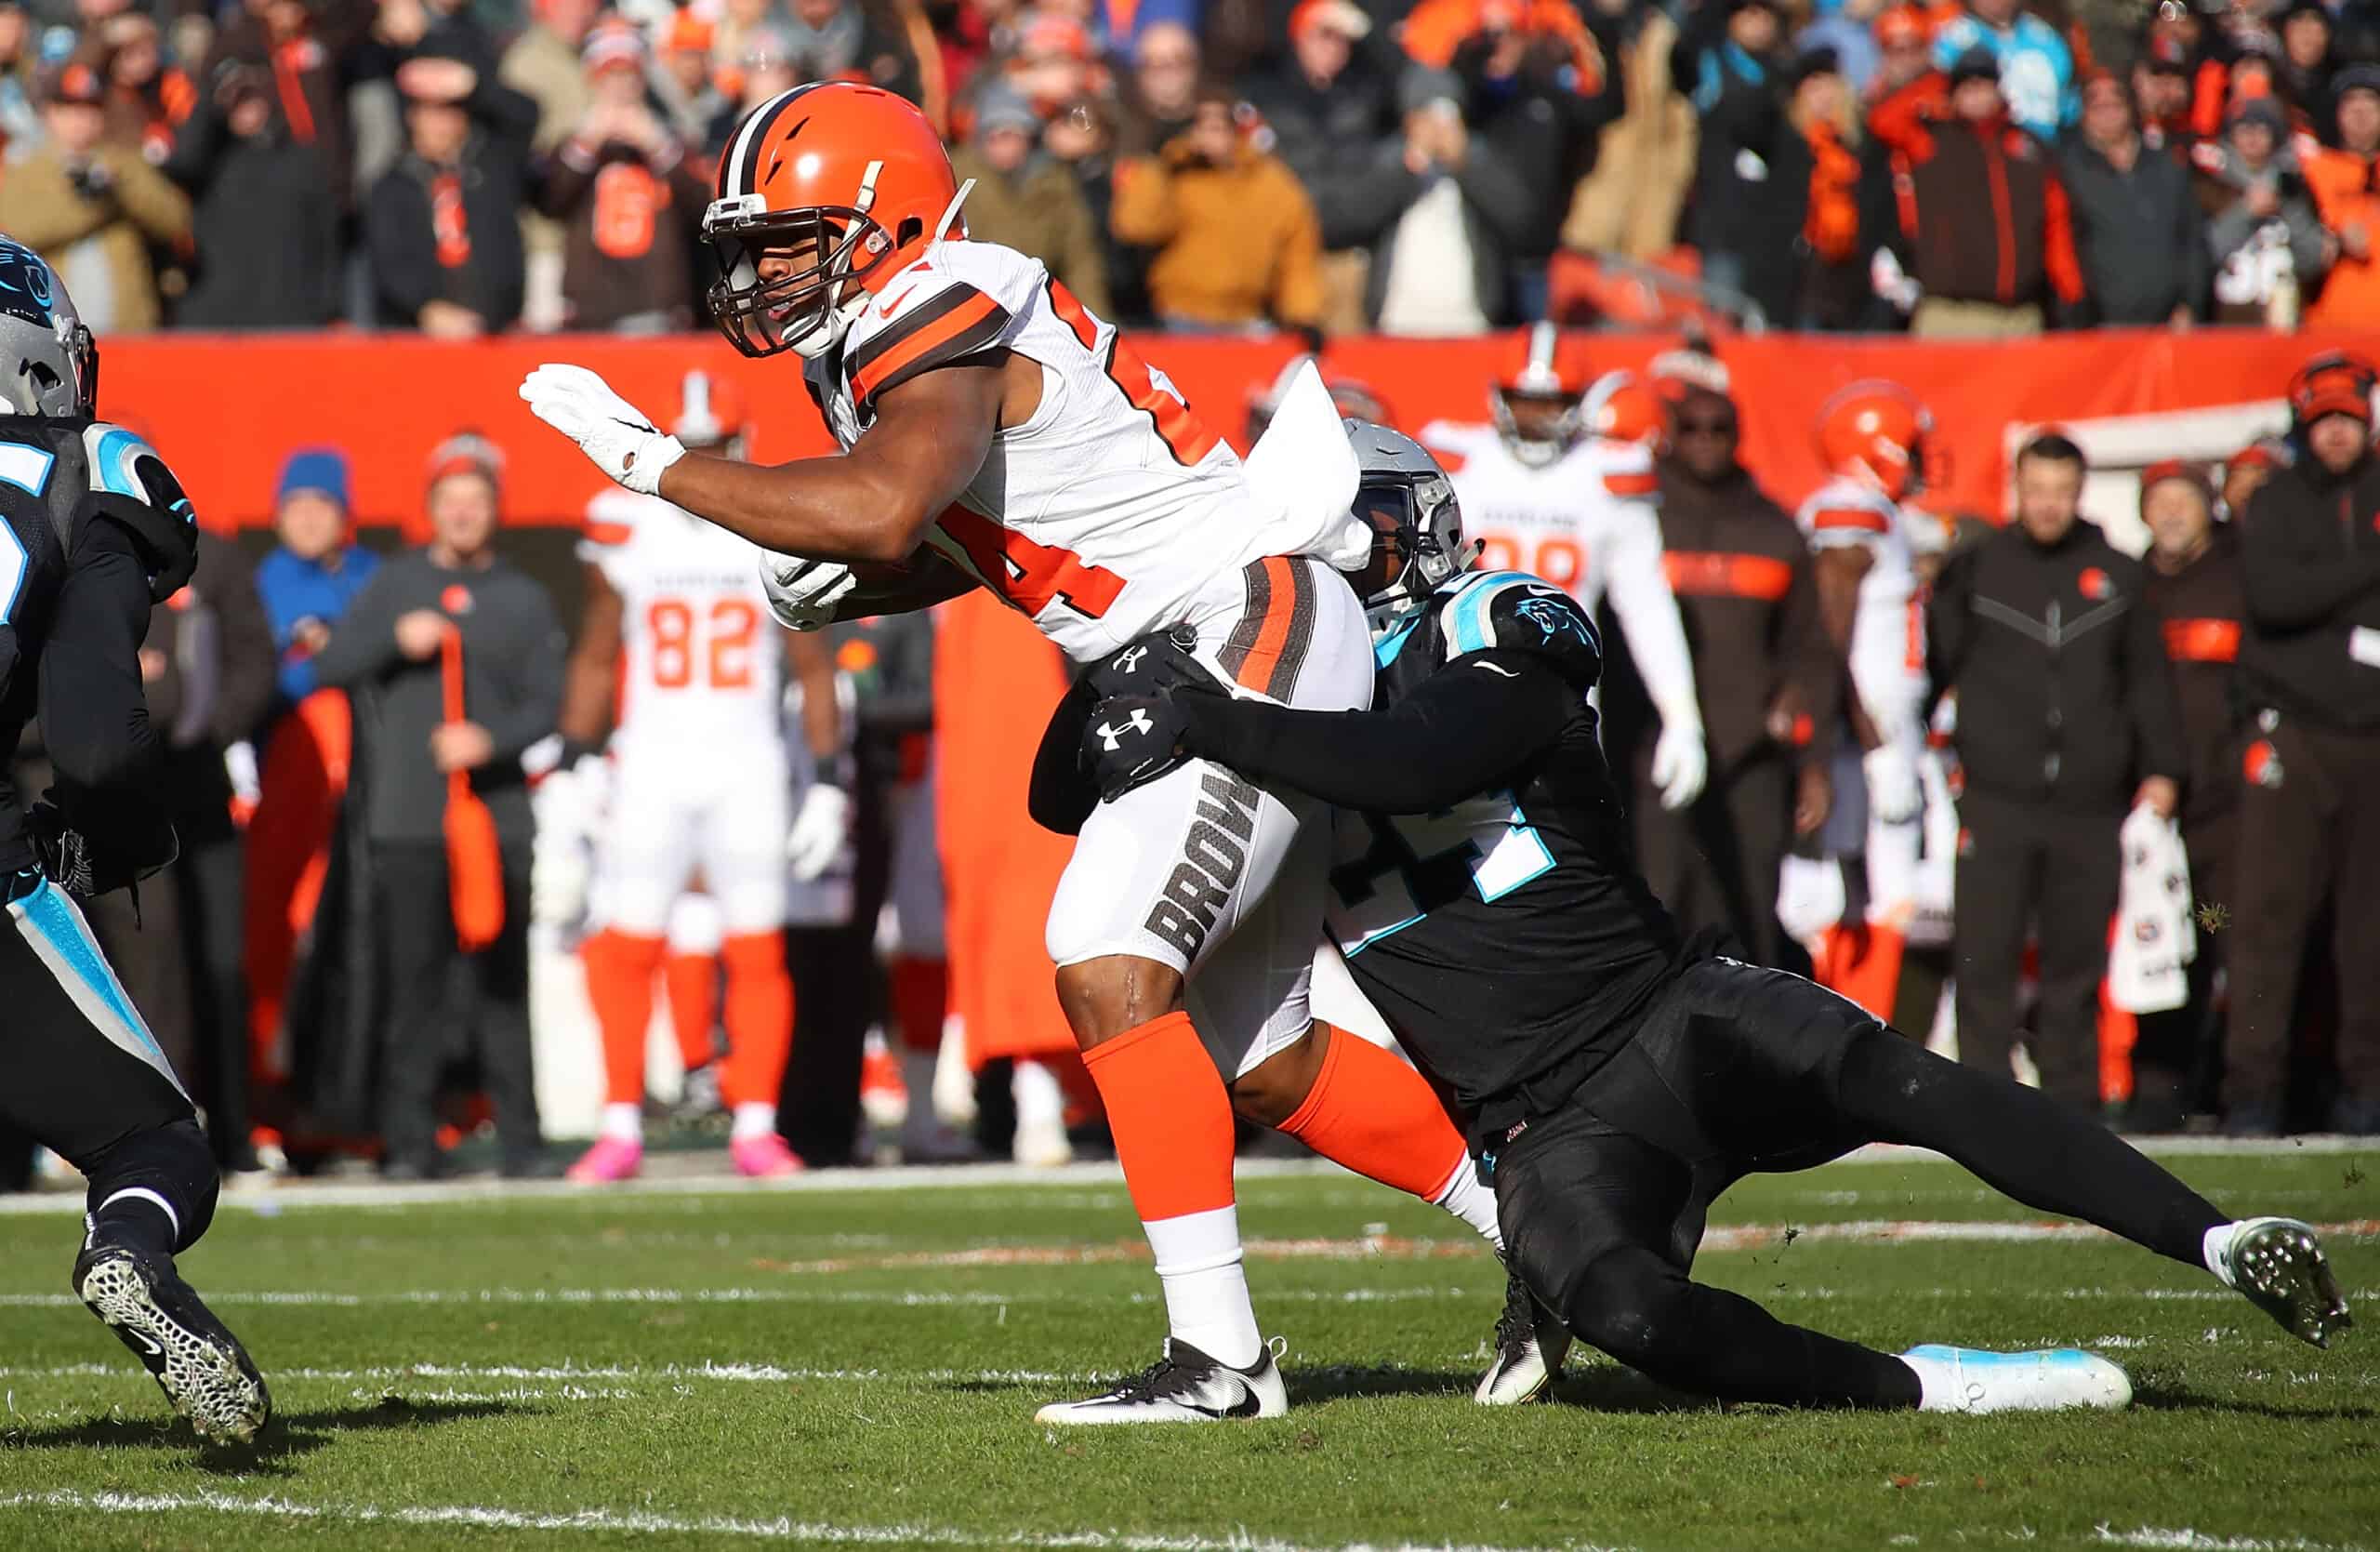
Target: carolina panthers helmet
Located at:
point(48, 364)
point(1416, 524)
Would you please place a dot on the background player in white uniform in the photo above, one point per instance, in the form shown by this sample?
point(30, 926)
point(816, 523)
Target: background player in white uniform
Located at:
point(1872, 436)
point(679, 637)
point(987, 415)
point(1543, 494)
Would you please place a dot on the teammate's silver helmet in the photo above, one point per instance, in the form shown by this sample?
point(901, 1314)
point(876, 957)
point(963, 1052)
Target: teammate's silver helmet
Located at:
point(48, 364)
point(1407, 500)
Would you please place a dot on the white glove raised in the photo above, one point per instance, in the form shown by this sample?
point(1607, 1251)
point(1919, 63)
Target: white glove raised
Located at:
point(1894, 794)
point(803, 593)
point(617, 436)
point(820, 827)
point(1680, 765)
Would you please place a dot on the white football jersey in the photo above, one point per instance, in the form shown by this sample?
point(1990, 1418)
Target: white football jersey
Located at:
point(702, 659)
point(1588, 523)
point(1888, 631)
point(1103, 514)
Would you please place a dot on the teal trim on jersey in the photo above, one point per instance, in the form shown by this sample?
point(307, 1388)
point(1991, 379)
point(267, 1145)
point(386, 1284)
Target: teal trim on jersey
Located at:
point(1470, 607)
point(1521, 830)
point(112, 461)
point(1384, 650)
point(53, 916)
point(17, 465)
point(14, 564)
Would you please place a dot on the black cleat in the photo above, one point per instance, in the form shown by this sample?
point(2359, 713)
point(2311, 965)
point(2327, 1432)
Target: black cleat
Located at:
point(1530, 1346)
point(198, 1363)
point(2279, 1263)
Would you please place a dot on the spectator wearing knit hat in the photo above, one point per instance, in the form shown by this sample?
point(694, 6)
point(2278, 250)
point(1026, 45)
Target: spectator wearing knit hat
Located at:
point(1025, 199)
point(688, 83)
point(629, 196)
point(442, 227)
point(266, 221)
point(2136, 224)
point(316, 570)
point(2263, 235)
point(2346, 184)
point(1733, 63)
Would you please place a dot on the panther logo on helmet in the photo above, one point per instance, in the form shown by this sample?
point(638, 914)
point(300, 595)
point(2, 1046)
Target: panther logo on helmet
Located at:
point(826, 192)
point(57, 371)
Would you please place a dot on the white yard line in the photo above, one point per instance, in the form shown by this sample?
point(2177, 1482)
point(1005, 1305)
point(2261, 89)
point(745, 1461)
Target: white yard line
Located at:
point(818, 1532)
point(2159, 1539)
point(668, 1374)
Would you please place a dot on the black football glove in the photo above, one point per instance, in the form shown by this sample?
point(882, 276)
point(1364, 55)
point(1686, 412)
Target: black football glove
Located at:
point(1154, 665)
point(83, 866)
point(1132, 740)
point(163, 526)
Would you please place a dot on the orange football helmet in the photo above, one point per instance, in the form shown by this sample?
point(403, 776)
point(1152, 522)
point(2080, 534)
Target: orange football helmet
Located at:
point(849, 178)
point(1622, 407)
point(1540, 369)
point(711, 414)
point(1874, 432)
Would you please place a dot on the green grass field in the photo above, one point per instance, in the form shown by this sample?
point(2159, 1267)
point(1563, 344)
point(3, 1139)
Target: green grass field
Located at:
point(860, 1367)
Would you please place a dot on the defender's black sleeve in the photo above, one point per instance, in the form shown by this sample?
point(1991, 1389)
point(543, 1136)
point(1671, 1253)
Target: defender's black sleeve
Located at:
point(93, 716)
point(1476, 719)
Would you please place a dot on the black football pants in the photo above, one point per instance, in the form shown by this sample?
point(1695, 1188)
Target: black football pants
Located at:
point(80, 1072)
point(1715, 863)
point(1604, 1201)
point(2040, 871)
point(2313, 836)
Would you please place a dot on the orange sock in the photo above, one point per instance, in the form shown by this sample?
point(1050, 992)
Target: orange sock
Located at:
point(920, 992)
point(691, 983)
point(760, 1018)
point(1171, 1117)
point(619, 982)
point(1378, 1117)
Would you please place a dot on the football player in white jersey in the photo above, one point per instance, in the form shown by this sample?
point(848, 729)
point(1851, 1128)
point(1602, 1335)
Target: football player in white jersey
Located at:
point(997, 434)
point(679, 638)
point(1872, 437)
point(1547, 493)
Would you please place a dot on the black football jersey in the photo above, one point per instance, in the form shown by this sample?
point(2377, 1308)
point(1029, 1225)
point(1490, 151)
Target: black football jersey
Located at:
point(1509, 938)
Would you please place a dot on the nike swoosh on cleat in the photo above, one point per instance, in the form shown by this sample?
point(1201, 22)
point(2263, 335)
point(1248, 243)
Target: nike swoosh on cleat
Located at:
point(1247, 1406)
point(145, 1340)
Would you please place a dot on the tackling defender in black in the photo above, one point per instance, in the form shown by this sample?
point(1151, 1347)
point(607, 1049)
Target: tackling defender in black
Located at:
point(97, 531)
point(1614, 1078)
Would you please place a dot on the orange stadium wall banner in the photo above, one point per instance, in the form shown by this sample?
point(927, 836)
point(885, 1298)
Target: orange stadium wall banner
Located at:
point(388, 400)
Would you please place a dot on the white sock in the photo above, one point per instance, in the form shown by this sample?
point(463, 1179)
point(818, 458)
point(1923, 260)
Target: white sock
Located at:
point(1039, 1101)
point(625, 1123)
point(2215, 1249)
point(1206, 1287)
point(1464, 1197)
point(753, 1118)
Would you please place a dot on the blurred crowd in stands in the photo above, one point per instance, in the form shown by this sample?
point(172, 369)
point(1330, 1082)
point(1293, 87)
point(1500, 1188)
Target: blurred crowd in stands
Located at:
point(1334, 166)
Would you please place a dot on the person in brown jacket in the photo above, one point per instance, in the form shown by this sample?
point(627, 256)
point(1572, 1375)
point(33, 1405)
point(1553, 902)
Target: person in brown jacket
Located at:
point(2192, 580)
point(629, 195)
point(90, 209)
point(1239, 244)
point(1027, 200)
point(1766, 677)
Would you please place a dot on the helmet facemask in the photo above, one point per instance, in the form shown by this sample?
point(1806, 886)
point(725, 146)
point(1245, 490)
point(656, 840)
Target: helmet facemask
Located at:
point(1538, 452)
point(1417, 543)
point(807, 310)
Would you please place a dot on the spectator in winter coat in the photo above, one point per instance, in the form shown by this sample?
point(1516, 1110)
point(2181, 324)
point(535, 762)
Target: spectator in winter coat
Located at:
point(1730, 63)
point(688, 85)
point(1026, 199)
point(443, 226)
point(1631, 203)
point(1442, 270)
point(2136, 225)
point(1820, 157)
point(628, 197)
point(266, 221)
point(2261, 222)
point(2302, 75)
point(1164, 91)
point(1984, 262)
point(1239, 244)
point(147, 98)
point(1333, 112)
point(316, 570)
point(543, 63)
point(2347, 195)
point(92, 210)
point(313, 48)
point(2036, 67)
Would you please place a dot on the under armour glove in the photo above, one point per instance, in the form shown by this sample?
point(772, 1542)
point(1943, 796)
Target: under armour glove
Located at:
point(617, 436)
point(83, 866)
point(1130, 741)
point(1153, 665)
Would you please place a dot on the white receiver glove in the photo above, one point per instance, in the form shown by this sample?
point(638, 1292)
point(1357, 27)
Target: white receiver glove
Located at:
point(820, 827)
point(614, 434)
point(1679, 764)
point(1894, 794)
point(568, 806)
point(803, 593)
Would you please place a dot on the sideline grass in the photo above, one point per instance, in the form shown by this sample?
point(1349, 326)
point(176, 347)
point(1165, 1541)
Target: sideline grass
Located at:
point(860, 1368)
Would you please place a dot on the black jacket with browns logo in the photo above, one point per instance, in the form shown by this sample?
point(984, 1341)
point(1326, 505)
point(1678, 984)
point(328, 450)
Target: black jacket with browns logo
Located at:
point(2202, 610)
point(2309, 553)
point(2059, 666)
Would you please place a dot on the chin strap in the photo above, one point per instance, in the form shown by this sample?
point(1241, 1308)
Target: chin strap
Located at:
point(950, 212)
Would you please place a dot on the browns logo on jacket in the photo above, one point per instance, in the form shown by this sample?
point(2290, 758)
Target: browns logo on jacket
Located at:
point(1983, 215)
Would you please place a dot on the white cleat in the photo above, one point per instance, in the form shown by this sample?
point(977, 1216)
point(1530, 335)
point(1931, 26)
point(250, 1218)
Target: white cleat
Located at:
point(1185, 1385)
point(1530, 1346)
point(2057, 1379)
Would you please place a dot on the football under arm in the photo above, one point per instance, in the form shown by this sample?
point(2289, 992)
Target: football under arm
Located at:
point(1477, 720)
point(873, 503)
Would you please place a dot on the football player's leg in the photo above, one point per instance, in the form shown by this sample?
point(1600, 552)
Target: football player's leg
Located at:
point(690, 972)
point(917, 972)
point(86, 1080)
point(648, 859)
point(748, 880)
